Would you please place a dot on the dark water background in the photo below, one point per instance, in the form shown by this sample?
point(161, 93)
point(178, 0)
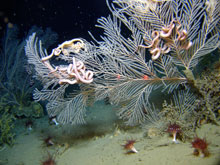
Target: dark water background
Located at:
point(69, 18)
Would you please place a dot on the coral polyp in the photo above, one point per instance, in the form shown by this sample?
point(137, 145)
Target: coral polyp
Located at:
point(174, 129)
point(29, 125)
point(50, 160)
point(129, 146)
point(49, 141)
point(200, 147)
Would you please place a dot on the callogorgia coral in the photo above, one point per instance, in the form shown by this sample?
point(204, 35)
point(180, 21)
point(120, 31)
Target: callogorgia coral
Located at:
point(147, 45)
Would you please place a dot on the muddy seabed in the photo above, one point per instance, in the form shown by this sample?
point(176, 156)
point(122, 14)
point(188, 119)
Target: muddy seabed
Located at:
point(100, 143)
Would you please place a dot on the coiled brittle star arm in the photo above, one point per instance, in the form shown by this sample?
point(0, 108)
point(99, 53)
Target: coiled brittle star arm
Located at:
point(72, 73)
